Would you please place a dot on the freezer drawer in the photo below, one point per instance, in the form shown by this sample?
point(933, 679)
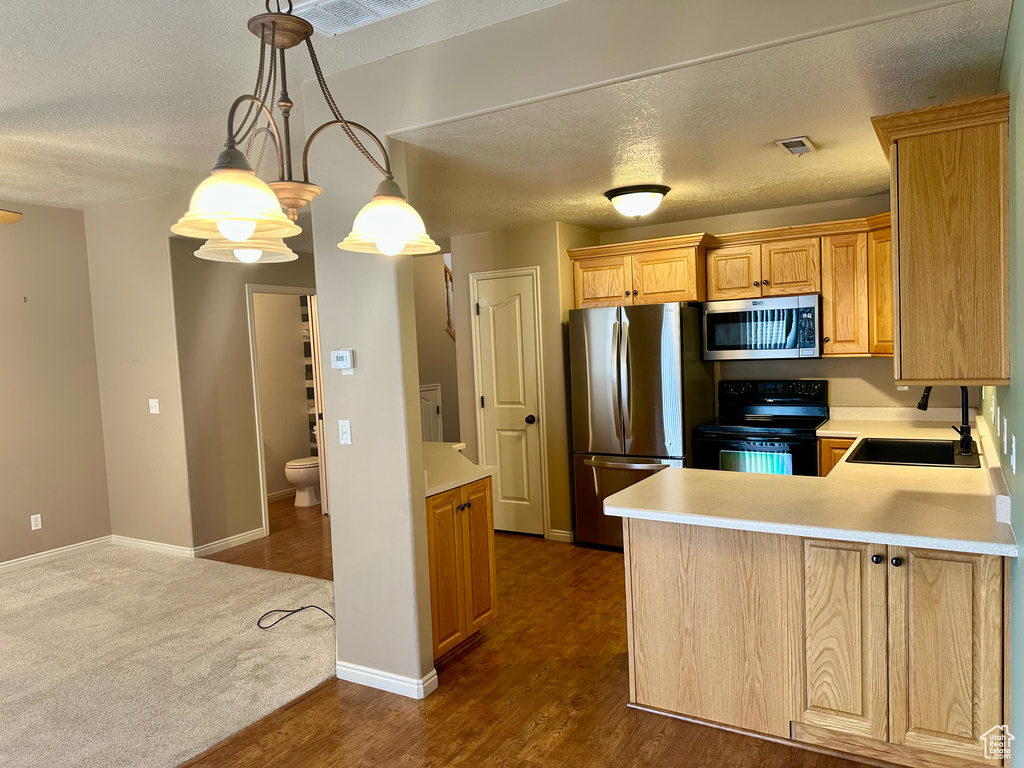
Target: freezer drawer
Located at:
point(598, 477)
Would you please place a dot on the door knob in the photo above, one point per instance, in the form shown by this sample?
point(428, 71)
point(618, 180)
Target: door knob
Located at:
point(531, 419)
point(896, 562)
point(877, 559)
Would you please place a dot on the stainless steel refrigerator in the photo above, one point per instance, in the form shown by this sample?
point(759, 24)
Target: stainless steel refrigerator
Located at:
point(639, 387)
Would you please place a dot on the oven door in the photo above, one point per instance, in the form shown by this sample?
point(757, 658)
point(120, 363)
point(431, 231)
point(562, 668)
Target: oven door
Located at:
point(782, 455)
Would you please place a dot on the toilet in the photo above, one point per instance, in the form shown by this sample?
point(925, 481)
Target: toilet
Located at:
point(304, 474)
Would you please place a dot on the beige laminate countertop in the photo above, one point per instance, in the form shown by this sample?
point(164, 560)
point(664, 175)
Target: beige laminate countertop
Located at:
point(945, 508)
point(445, 468)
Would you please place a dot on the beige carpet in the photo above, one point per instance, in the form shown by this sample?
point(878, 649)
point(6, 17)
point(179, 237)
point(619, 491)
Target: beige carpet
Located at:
point(119, 657)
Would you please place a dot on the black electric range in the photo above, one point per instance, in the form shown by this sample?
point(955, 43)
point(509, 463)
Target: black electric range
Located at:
point(764, 426)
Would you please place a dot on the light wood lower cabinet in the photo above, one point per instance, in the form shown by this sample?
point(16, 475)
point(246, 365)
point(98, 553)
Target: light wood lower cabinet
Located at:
point(879, 651)
point(460, 540)
point(830, 452)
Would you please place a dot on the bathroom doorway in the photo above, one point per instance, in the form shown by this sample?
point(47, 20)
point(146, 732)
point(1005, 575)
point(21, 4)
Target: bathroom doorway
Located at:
point(287, 391)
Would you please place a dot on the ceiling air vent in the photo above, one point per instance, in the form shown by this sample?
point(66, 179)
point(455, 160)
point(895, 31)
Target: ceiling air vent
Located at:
point(799, 145)
point(332, 17)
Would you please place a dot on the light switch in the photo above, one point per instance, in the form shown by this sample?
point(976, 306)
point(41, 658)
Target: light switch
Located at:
point(999, 420)
point(1005, 435)
point(154, 405)
point(345, 431)
point(1013, 454)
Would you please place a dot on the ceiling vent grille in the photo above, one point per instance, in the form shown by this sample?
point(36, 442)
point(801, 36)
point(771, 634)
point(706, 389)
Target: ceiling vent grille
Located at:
point(332, 17)
point(798, 145)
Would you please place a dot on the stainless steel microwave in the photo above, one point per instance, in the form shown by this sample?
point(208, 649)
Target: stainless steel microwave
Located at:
point(760, 329)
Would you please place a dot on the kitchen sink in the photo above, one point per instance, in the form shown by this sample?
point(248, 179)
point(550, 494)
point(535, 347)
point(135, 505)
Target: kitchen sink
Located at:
point(919, 453)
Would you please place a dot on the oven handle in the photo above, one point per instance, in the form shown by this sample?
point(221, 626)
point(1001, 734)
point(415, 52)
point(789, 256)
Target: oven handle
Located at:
point(623, 465)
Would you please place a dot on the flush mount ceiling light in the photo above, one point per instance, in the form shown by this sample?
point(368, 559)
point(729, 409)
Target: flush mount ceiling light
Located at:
point(9, 217)
point(637, 200)
point(242, 216)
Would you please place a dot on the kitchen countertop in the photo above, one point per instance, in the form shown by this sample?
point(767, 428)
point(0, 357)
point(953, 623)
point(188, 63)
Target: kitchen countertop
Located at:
point(948, 508)
point(445, 468)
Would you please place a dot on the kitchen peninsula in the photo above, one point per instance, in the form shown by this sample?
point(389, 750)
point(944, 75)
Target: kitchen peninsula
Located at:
point(862, 612)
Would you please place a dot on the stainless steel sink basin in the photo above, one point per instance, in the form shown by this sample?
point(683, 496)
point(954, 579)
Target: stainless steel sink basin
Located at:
point(919, 453)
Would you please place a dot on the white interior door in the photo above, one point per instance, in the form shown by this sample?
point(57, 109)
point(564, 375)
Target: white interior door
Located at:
point(508, 368)
point(430, 412)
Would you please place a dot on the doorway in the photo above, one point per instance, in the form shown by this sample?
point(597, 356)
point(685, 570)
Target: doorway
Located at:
point(508, 376)
point(287, 394)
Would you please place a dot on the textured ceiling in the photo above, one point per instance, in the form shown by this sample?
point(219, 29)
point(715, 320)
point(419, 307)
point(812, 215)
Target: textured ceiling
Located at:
point(115, 100)
point(707, 130)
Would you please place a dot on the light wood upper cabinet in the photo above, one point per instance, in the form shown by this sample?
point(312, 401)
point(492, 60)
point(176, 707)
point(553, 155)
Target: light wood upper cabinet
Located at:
point(880, 285)
point(844, 619)
point(734, 272)
point(602, 282)
point(945, 651)
point(645, 272)
point(460, 544)
point(670, 275)
point(830, 452)
point(950, 246)
point(844, 294)
point(791, 267)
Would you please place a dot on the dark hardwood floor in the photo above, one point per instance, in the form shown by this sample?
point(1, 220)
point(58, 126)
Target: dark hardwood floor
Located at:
point(545, 686)
point(299, 542)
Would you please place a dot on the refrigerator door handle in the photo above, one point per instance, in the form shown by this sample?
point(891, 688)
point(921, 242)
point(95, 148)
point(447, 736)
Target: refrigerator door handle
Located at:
point(624, 394)
point(616, 345)
point(652, 467)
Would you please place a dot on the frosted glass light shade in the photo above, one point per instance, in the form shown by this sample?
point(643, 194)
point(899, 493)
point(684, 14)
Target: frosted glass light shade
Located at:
point(231, 201)
point(263, 250)
point(388, 225)
point(638, 200)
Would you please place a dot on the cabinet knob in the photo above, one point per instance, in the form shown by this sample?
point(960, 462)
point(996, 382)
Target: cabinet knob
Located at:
point(827, 339)
point(469, 504)
point(765, 282)
point(627, 293)
point(460, 507)
point(757, 283)
point(635, 292)
point(896, 562)
point(877, 559)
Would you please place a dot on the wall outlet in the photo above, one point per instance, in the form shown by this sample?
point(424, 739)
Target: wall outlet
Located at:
point(37, 522)
point(154, 405)
point(345, 431)
point(902, 388)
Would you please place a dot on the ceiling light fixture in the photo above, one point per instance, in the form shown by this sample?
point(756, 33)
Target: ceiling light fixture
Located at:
point(9, 217)
point(637, 200)
point(241, 215)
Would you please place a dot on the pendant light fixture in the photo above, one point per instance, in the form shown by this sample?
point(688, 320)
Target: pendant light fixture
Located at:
point(9, 217)
point(241, 215)
point(637, 200)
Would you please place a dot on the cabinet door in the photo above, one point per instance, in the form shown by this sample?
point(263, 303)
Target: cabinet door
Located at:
point(478, 537)
point(791, 267)
point(669, 275)
point(602, 282)
point(734, 272)
point(880, 328)
point(830, 452)
point(945, 650)
point(844, 294)
point(951, 252)
point(447, 575)
point(845, 638)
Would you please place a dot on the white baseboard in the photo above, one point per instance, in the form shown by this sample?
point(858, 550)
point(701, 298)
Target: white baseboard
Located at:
point(385, 681)
point(230, 541)
point(51, 554)
point(565, 536)
point(152, 546)
point(278, 495)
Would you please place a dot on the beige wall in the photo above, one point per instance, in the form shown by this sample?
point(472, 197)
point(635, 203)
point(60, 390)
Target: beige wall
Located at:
point(284, 407)
point(51, 450)
point(137, 359)
point(217, 385)
point(541, 245)
point(812, 213)
point(436, 349)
